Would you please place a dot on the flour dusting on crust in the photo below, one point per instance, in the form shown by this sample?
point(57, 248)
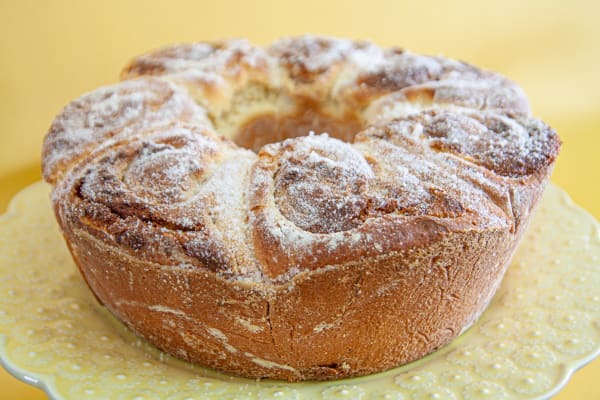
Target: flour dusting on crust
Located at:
point(309, 198)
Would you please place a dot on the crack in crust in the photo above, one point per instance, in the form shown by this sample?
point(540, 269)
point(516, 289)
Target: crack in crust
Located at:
point(333, 258)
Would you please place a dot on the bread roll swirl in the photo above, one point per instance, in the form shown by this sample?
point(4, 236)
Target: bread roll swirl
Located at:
point(111, 112)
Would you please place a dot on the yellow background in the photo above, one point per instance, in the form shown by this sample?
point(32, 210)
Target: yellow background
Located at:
point(51, 52)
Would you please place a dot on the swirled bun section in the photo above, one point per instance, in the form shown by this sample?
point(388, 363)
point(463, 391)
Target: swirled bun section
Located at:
point(204, 213)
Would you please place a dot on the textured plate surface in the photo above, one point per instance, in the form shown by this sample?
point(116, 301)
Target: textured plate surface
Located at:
point(542, 325)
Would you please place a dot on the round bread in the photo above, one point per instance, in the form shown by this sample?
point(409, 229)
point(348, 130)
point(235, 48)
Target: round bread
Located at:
point(318, 256)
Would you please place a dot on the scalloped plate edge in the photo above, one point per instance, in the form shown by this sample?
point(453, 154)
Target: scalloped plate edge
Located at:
point(39, 381)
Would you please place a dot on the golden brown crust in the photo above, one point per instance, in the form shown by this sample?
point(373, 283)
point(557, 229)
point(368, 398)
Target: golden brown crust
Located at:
point(109, 113)
point(165, 60)
point(315, 258)
point(143, 195)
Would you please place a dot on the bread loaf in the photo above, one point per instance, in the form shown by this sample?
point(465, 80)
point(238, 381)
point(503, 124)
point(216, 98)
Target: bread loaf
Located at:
point(318, 208)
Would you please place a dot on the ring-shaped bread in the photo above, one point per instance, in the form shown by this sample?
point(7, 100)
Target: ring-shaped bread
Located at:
point(320, 256)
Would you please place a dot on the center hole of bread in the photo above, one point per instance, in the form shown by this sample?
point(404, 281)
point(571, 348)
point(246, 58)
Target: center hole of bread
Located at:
point(268, 128)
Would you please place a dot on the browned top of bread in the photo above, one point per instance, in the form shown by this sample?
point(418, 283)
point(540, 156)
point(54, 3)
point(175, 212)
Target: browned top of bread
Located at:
point(440, 136)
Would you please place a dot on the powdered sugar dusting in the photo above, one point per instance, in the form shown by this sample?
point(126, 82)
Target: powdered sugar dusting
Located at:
point(366, 57)
point(172, 190)
point(107, 112)
point(152, 176)
point(167, 165)
point(308, 56)
point(313, 195)
point(480, 94)
point(416, 183)
point(224, 58)
point(229, 208)
point(321, 183)
point(172, 58)
point(508, 146)
point(311, 52)
point(399, 70)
